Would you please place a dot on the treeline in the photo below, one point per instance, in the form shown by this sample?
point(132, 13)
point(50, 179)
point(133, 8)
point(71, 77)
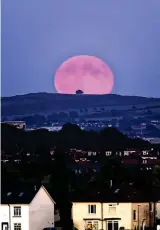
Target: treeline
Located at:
point(70, 136)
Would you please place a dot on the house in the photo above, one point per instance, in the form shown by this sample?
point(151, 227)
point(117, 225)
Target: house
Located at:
point(112, 212)
point(110, 216)
point(26, 208)
point(156, 192)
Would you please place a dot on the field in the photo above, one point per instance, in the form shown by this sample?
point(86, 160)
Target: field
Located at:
point(85, 105)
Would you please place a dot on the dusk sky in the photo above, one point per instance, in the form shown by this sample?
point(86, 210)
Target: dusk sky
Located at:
point(38, 35)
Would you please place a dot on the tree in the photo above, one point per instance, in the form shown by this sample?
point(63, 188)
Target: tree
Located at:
point(79, 92)
point(156, 177)
point(71, 136)
point(61, 185)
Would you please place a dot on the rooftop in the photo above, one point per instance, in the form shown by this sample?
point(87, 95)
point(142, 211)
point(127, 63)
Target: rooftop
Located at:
point(18, 195)
point(118, 195)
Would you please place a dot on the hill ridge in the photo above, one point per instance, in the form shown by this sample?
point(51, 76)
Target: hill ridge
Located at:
point(47, 103)
point(84, 95)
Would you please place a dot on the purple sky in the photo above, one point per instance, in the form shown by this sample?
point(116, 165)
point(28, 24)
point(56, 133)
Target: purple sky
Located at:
point(38, 35)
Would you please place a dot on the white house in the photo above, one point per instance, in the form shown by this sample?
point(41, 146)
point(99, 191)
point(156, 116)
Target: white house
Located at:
point(26, 209)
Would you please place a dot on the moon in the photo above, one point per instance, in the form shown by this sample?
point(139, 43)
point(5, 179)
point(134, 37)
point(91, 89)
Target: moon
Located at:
point(87, 73)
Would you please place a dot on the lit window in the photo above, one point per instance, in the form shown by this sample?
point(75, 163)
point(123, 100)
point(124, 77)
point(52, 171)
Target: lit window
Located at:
point(17, 211)
point(112, 209)
point(17, 226)
point(95, 225)
point(89, 225)
point(92, 225)
point(92, 209)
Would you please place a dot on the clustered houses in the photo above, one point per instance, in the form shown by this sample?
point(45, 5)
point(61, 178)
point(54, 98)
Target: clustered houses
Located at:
point(78, 154)
point(112, 209)
point(85, 161)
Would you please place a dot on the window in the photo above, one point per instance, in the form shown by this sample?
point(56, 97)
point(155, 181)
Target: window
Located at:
point(134, 214)
point(112, 225)
point(92, 225)
point(144, 161)
point(17, 211)
point(150, 207)
point(95, 225)
point(112, 209)
point(89, 225)
point(92, 209)
point(17, 227)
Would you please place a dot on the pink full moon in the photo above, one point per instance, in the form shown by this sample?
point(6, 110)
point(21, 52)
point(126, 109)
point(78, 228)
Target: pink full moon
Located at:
point(87, 73)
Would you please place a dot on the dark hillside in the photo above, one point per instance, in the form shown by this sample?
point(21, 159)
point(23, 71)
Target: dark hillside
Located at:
point(48, 103)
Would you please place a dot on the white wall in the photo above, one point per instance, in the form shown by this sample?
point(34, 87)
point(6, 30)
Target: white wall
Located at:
point(4, 213)
point(24, 219)
point(80, 211)
point(41, 211)
point(123, 211)
point(158, 210)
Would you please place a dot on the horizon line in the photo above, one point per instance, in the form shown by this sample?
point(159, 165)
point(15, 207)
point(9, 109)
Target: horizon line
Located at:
point(124, 95)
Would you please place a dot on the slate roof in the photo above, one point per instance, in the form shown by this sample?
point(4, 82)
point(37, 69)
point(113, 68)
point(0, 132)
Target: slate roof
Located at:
point(118, 195)
point(18, 195)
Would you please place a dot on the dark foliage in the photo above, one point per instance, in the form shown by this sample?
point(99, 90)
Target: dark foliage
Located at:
point(61, 182)
point(71, 136)
point(79, 92)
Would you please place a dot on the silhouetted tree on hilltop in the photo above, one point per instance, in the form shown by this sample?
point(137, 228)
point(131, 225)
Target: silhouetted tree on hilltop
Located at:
point(79, 92)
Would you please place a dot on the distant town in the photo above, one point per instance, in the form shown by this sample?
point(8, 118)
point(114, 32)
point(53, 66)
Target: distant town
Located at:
point(149, 131)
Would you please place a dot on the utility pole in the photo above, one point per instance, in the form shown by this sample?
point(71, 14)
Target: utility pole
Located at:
point(150, 208)
point(138, 216)
point(102, 213)
point(154, 211)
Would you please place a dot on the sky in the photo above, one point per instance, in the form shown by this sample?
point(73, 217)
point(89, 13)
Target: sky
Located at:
point(38, 35)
